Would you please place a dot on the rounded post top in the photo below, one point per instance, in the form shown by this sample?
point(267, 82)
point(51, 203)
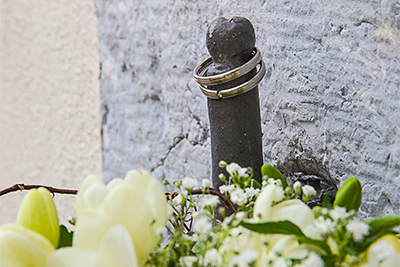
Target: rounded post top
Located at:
point(230, 43)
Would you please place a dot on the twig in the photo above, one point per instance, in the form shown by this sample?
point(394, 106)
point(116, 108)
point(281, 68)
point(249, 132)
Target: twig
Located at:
point(53, 190)
point(20, 187)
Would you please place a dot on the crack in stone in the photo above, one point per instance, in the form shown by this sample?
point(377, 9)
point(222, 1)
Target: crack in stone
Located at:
point(177, 140)
point(205, 132)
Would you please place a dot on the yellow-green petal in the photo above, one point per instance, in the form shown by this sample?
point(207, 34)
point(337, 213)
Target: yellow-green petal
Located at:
point(22, 247)
point(38, 213)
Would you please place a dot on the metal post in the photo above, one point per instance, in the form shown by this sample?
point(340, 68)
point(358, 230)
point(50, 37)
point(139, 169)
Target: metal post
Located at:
point(229, 79)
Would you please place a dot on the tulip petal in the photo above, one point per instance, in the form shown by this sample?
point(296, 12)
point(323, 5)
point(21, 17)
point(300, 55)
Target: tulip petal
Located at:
point(38, 213)
point(94, 196)
point(75, 257)
point(154, 194)
point(262, 206)
point(138, 180)
point(86, 184)
point(125, 205)
point(117, 248)
point(90, 228)
point(294, 211)
point(20, 247)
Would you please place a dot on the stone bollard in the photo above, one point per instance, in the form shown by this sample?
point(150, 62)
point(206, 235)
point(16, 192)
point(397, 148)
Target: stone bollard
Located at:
point(229, 79)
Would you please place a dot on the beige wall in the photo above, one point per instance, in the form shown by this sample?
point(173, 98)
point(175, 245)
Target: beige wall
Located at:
point(49, 98)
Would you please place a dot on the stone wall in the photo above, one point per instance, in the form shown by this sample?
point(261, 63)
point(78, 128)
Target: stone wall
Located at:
point(329, 102)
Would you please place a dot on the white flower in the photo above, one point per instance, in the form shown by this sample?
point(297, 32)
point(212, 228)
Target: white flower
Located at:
point(293, 210)
point(338, 213)
point(279, 194)
point(313, 260)
point(180, 198)
point(189, 183)
point(131, 209)
point(212, 258)
point(297, 187)
point(209, 201)
point(233, 168)
point(281, 262)
point(358, 230)
point(226, 188)
point(205, 184)
point(324, 227)
point(244, 259)
point(21, 246)
point(252, 192)
point(240, 215)
point(238, 196)
point(271, 181)
point(308, 190)
point(242, 172)
point(202, 226)
point(188, 261)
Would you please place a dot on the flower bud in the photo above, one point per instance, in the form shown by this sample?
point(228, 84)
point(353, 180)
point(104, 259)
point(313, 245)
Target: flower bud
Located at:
point(38, 213)
point(272, 172)
point(349, 195)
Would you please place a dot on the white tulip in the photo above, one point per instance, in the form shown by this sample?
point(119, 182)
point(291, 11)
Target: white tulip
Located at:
point(137, 203)
point(21, 246)
point(116, 249)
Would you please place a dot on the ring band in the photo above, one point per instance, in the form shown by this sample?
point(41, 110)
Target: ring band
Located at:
point(200, 70)
point(237, 90)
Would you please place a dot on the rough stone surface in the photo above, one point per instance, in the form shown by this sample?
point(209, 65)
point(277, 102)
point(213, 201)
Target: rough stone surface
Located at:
point(329, 103)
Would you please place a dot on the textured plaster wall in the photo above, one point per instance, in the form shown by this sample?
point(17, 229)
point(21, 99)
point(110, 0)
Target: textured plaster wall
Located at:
point(50, 122)
point(329, 102)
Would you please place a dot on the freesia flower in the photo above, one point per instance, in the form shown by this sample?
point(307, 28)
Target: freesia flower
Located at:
point(21, 246)
point(137, 203)
point(38, 213)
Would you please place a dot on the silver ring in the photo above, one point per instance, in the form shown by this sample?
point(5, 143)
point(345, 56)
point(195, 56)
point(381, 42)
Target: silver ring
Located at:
point(201, 69)
point(240, 89)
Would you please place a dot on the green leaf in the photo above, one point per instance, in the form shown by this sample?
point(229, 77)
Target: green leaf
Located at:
point(285, 228)
point(65, 237)
point(318, 243)
point(349, 195)
point(272, 172)
point(280, 227)
point(382, 224)
point(326, 201)
point(255, 184)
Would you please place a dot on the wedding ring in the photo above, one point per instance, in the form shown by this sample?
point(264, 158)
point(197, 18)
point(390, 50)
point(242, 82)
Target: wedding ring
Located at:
point(237, 90)
point(201, 69)
point(204, 82)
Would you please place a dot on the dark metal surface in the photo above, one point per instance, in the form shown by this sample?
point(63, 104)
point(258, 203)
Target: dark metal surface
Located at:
point(235, 123)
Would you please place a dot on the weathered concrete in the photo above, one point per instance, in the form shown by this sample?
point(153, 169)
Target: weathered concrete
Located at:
point(329, 104)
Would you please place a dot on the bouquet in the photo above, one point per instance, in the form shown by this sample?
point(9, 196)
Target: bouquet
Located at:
point(132, 222)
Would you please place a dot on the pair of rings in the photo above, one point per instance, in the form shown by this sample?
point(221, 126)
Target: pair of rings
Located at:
point(205, 81)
